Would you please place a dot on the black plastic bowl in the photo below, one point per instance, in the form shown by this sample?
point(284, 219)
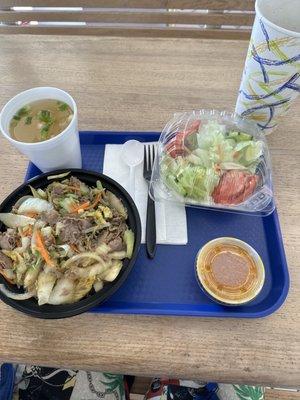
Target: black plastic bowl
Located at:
point(31, 306)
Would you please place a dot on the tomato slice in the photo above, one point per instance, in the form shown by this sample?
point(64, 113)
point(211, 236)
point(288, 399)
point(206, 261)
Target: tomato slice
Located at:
point(235, 187)
point(192, 128)
point(176, 146)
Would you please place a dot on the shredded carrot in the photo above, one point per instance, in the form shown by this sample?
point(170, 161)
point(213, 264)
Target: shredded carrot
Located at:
point(96, 201)
point(31, 214)
point(27, 231)
point(40, 246)
point(77, 189)
point(74, 247)
point(82, 206)
point(86, 205)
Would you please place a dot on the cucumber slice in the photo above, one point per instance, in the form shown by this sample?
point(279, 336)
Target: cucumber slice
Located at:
point(190, 141)
point(239, 136)
point(252, 153)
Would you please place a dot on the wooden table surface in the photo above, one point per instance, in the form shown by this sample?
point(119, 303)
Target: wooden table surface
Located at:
point(136, 84)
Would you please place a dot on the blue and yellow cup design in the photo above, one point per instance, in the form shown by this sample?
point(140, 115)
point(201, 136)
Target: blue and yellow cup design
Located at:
point(271, 78)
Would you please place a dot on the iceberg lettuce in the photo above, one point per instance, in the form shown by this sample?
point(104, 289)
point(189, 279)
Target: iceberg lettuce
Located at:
point(196, 174)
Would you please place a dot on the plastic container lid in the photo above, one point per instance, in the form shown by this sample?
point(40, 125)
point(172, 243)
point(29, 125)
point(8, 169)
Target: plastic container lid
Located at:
point(216, 160)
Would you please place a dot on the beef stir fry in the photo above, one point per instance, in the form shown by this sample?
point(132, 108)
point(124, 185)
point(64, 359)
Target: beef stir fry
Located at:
point(64, 241)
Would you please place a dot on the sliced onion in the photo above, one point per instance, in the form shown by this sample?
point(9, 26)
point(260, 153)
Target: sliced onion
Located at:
point(33, 240)
point(31, 275)
point(33, 204)
point(64, 250)
point(91, 271)
point(58, 228)
point(25, 244)
point(88, 254)
point(46, 231)
point(63, 292)
point(16, 296)
point(45, 284)
point(129, 240)
point(82, 288)
point(21, 200)
point(116, 203)
point(14, 221)
point(64, 174)
point(118, 255)
point(103, 249)
point(113, 272)
point(9, 275)
point(98, 286)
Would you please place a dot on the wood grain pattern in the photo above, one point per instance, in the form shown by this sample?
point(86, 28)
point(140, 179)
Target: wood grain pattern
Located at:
point(130, 22)
point(137, 84)
point(158, 17)
point(276, 394)
point(180, 4)
point(149, 31)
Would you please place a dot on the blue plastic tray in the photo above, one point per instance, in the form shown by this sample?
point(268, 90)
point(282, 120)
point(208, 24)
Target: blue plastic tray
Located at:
point(167, 284)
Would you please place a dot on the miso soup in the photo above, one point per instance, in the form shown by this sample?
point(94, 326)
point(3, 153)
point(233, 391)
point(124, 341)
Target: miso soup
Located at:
point(40, 120)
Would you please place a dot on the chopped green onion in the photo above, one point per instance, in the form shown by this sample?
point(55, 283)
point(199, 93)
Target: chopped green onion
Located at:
point(45, 131)
point(62, 106)
point(21, 113)
point(45, 116)
point(28, 120)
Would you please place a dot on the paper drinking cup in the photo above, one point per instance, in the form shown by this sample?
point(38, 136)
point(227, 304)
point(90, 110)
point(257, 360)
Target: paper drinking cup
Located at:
point(271, 78)
point(61, 151)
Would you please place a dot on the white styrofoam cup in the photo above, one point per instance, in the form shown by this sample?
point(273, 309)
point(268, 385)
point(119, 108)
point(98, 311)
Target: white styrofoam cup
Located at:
point(61, 151)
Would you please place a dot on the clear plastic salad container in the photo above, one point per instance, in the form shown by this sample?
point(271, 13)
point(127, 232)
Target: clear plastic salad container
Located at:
point(216, 160)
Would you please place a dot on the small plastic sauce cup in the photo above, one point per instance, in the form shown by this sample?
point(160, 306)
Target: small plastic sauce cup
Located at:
point(61, 151)
point(230, 271)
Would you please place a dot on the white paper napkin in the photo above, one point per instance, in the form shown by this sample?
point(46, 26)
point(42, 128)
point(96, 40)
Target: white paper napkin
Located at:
point(171, 225)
